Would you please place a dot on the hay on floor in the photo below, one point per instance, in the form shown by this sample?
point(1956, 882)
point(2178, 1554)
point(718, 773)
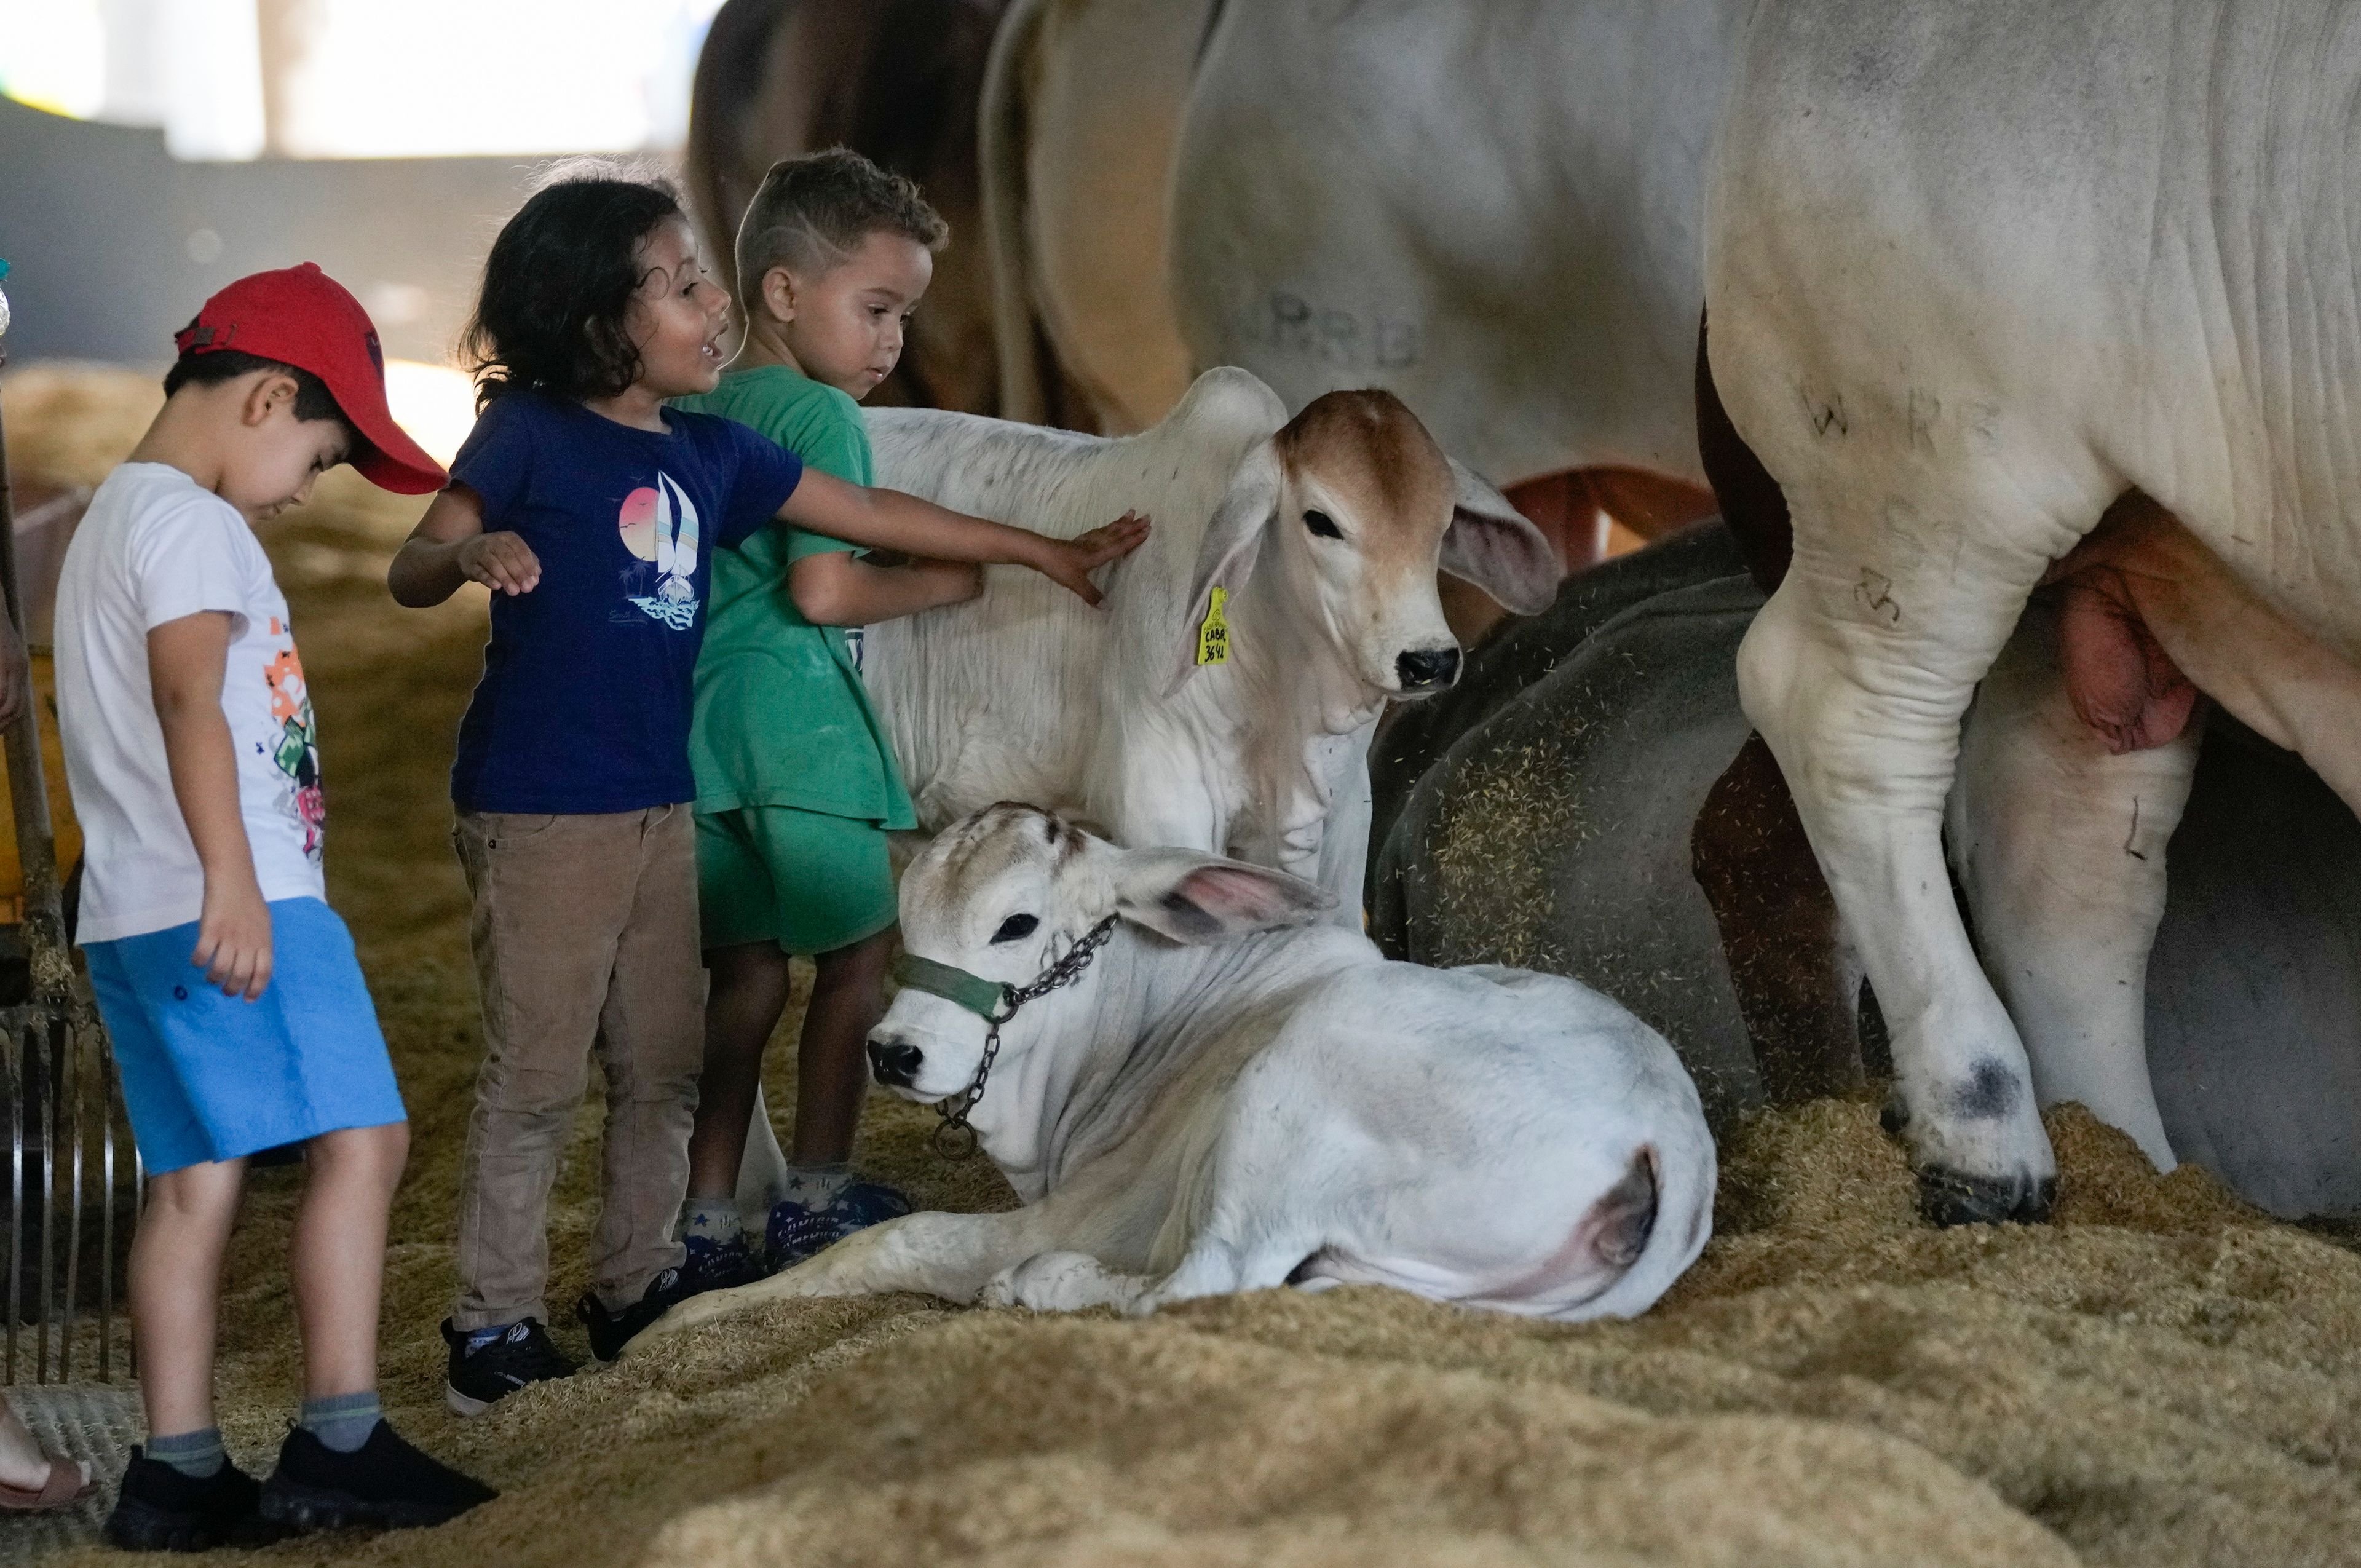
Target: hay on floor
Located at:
point(2163, 1376)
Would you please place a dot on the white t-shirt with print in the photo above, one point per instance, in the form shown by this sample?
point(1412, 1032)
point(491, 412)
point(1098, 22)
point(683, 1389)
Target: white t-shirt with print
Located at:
point(154, 547)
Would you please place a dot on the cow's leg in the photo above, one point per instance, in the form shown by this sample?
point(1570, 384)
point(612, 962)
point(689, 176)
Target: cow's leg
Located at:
point(1751, 502)
point(1214, 1265)
point(1253, 1217)
point(1798, 982)
point(1345, 833)
point(950, 1256)
point(1857, 671)
point(1217, 1264)
point(1064, 1282)
point(2060, 849)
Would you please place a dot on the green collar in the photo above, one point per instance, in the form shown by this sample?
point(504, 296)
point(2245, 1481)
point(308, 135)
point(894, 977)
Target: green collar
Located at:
point(983, 997)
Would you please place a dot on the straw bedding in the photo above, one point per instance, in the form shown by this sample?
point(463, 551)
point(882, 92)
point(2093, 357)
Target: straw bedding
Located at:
point(2163, 1376)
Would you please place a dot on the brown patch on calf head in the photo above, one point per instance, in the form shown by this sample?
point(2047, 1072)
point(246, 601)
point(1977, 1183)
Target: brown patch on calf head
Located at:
point(1373, 456)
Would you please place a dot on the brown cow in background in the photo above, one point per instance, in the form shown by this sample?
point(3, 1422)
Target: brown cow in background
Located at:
point(895, 79)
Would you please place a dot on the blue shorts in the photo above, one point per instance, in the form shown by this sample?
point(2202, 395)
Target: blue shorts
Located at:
point(208, 1077)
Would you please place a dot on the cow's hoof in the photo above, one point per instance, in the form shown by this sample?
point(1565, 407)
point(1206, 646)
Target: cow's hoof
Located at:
point(1957, 1197)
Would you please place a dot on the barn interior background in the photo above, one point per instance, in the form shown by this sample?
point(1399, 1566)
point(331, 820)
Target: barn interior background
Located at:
point(2164, 1375)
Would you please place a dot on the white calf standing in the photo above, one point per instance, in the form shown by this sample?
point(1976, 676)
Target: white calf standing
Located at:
point(1211, 1095)
point(1321, 533)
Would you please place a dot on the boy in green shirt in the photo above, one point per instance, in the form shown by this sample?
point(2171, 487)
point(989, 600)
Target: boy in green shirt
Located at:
point(796, 785)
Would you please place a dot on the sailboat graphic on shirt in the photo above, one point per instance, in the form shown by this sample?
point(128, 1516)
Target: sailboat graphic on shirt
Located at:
point(658, 523)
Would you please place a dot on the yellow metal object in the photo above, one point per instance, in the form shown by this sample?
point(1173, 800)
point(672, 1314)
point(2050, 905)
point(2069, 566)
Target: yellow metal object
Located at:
point(1213, 635)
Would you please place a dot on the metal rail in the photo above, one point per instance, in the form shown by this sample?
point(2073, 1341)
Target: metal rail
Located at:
point(72, 1204)
point(59, 1076)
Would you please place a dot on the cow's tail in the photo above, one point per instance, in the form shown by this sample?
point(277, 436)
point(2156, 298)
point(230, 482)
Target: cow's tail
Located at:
point(1001, 151)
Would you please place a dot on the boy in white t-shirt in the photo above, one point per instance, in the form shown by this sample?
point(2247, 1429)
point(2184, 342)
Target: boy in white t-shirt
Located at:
point(238, 1014)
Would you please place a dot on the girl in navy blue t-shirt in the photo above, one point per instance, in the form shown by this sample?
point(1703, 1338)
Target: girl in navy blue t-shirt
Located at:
point(592, 512)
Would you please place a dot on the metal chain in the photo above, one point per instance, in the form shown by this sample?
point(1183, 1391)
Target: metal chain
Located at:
point(953, 1138)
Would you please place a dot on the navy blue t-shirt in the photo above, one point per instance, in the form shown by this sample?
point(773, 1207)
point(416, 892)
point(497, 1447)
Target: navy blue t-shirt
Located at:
point(589, 679)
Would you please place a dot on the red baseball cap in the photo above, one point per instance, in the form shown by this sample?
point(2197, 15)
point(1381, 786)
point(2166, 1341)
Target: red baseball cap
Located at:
point(301, 316)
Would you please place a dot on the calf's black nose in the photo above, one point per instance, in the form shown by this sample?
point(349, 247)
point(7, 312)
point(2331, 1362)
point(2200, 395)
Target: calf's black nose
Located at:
point(895, 1061)
point(1427, 669)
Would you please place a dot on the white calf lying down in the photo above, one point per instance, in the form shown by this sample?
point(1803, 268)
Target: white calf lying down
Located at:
point(1210, 1095)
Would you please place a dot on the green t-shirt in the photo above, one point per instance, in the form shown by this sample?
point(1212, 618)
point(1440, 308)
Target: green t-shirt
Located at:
point(782, 719)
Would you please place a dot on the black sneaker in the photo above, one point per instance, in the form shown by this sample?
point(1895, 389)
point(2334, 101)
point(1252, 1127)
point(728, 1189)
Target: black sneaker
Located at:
point(520, 1355)
point(162, 1510)
point(610, 1332)
point(385, 1483)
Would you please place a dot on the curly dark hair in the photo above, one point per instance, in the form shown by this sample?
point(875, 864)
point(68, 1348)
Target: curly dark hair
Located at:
point(556, 285)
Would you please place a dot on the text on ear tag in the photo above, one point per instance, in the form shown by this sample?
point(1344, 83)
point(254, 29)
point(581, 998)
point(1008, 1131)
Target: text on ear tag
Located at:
point(1213, 636)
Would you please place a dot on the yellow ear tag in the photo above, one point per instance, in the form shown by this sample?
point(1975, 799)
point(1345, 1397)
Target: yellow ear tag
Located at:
point(1213, 636)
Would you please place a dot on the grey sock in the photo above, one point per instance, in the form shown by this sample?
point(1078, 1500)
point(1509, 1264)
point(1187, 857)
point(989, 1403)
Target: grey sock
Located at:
point(813, 1186)
point(716, 1218)
point(342, 1422)
point(195, 1454)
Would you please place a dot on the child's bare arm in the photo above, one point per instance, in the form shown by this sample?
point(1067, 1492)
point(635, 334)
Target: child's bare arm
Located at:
point(890, 520)
point(449, 547)
point(185, 660)
point(839, 589)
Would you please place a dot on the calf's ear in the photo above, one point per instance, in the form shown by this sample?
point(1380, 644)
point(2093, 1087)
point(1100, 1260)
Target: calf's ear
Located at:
point(1199, 898)
point(1225, 558)
point(1493, 545)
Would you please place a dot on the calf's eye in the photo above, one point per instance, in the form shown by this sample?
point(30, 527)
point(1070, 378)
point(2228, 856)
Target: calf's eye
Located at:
point(1321, 523)
point(1016, 929)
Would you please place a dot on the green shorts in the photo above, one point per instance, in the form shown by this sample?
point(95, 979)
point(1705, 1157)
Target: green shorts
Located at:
point(808, 881)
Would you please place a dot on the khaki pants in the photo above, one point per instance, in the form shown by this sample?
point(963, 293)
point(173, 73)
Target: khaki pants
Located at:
point(584, 935)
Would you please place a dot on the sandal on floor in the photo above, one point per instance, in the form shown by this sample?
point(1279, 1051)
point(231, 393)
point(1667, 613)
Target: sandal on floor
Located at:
point(69, 1484)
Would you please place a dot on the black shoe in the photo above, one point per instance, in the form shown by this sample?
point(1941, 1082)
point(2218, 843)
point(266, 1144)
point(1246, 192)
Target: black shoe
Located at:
point(610, 1332)
point(523, 1354)
point(163, 1510)
point(385, 1483)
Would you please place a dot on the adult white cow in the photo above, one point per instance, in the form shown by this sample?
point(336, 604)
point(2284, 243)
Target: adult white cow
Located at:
point(1194, 1098)
point(1225, 698)
point(1980, 276)
point(1082, 106)
point(1492, 210)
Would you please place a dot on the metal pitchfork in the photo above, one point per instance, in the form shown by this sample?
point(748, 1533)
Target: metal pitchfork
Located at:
point(54, 1057)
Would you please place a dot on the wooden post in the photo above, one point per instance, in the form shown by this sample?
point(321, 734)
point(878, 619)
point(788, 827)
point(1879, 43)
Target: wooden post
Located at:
point(29, 790)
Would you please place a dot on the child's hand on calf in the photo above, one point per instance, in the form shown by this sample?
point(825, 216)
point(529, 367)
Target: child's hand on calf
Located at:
point(1070, 561)
point(503, 563)
point(234, 938)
